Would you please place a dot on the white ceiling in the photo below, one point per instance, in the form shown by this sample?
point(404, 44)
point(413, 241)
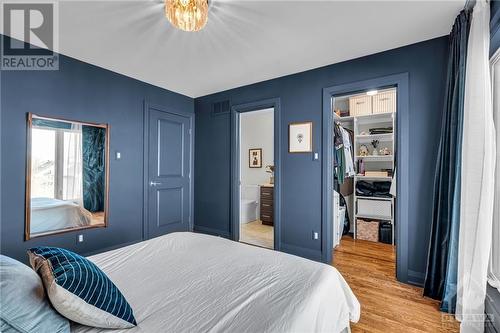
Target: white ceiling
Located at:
point(244, 41)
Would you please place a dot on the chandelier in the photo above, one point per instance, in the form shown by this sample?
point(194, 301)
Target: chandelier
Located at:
point(187, 15)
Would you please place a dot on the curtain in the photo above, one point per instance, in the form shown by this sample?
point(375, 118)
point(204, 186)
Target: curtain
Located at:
point(478, 172)
point(72, 184)
point(494, 270)
point(441, 274)
point(94, 172)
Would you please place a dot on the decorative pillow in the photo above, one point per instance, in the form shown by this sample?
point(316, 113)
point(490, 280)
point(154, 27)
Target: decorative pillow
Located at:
point(79, 290)
point(24, 306)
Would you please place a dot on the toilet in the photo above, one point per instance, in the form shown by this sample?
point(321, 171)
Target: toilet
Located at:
point(249, 203)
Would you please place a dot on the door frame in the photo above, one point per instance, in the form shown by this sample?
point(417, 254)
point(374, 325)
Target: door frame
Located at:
point(274, 103)
point(145, 189)
point(400, 81)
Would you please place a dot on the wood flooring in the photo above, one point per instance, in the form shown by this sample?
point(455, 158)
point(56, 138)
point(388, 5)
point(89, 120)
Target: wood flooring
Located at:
point(386, 304)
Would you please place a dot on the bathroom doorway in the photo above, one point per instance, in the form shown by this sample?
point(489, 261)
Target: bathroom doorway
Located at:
point(256, 169)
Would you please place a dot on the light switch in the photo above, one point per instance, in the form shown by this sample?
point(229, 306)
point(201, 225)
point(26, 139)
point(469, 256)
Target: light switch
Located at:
point(118, 155)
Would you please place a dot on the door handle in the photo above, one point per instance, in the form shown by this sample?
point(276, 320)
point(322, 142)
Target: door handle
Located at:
point(152, 183)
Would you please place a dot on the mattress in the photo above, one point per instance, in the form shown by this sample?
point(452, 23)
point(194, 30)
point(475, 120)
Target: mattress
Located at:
point(187, 282)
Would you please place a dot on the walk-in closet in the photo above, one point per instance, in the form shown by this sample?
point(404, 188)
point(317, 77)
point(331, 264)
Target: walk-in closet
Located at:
point(364, 151)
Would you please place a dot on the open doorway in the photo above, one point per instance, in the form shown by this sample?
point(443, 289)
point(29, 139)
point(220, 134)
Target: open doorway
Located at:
point(256, 195)
point(364, 179)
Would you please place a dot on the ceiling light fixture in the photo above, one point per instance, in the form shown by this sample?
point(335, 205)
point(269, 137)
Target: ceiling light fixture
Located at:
point(187, 15)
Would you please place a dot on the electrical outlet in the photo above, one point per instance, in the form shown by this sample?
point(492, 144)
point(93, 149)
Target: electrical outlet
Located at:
point(316, 156)
point(118, 155)
point(80, 238)
point(315, 235)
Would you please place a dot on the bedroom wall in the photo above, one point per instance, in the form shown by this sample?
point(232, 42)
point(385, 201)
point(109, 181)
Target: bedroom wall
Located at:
point(78, 91)
point(301, 100)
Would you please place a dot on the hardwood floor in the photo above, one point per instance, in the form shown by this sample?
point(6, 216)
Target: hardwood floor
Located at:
point(386, 304)
point(97, 218)
point(258, 234)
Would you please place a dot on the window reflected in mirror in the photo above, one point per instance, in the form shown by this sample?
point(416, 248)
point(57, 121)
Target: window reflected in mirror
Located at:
point(67, 176)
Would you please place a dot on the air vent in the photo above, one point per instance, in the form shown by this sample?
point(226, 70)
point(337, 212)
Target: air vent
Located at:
point(222, 107)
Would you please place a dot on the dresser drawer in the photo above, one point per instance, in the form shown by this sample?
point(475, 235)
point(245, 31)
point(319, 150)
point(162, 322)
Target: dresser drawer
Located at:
point(267, 213)
point(266, 194)
point(266, 218)
point(266, 190)
point(266, 205)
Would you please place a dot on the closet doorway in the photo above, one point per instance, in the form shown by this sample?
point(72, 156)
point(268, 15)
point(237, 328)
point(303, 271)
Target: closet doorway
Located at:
point(366, 166)
point(364, 174)
point(256, 174)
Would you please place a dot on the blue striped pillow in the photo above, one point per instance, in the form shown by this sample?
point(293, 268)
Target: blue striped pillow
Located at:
point(79, 290)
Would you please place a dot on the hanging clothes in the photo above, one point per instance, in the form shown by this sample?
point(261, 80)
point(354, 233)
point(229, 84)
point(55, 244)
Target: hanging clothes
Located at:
point(349, 162)
point(338, 153)
point(343, 153)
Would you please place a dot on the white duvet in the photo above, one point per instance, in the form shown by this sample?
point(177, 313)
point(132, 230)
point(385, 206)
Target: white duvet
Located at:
point(187, 282)
point(49, 214)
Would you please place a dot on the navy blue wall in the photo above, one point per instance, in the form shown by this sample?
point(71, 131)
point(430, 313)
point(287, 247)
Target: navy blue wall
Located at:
point(88, 93)
point(301, 100)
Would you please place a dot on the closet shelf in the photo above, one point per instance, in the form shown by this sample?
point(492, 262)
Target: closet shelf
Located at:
point(375, 118)
point(375, 217)
point(343, 119)
point(369, 137)
point(374, 198)
point(376, 158)
point(373, 178)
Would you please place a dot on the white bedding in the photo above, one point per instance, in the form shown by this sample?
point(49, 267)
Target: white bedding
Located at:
point(187, 282)
point(52, 214)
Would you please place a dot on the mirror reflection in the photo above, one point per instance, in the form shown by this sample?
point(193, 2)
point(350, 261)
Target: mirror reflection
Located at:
point(67, 175)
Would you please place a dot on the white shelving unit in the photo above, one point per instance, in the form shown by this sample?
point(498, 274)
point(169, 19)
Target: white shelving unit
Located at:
point(361, 125)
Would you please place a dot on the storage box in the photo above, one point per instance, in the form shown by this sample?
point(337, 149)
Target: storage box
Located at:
point(360, 105)
point(338, 226)
point(367, 230)
point(385, 233)
point(375, 208)
point(376, 174)
point(384, 102)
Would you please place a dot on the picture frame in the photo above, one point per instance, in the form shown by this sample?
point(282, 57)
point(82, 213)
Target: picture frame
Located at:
point(255, 158)
point(300, 137)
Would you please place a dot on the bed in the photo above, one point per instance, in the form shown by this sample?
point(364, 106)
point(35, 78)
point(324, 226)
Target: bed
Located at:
point(188, 282)
point(49, 214)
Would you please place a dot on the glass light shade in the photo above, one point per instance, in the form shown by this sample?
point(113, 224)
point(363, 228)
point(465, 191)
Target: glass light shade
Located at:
point(187, 15)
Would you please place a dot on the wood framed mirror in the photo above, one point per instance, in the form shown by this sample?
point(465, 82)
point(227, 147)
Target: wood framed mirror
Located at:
point(67, 176)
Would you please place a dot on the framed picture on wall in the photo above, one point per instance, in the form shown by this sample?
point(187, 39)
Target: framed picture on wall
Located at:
point(300, 137)
point(255, 158)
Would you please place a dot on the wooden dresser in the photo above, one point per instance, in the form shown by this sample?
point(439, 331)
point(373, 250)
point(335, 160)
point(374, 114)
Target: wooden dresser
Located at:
point(266, 204)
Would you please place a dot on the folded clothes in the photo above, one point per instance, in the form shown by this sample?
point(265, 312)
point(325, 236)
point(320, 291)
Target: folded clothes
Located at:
point(381, 130)
point(374, 189)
